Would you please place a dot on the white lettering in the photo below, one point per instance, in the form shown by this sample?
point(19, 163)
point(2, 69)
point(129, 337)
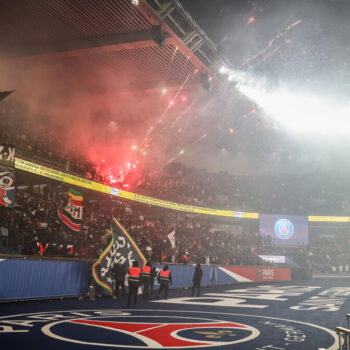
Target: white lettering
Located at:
point(299, 307)
point(292, 334)
point(264, 296)
point(11, 156)
point(214, 302)
point(8, 329)
point(24, 323)
point(130, 258)
point(328, 300)
point(121, 244)
point(269, 289)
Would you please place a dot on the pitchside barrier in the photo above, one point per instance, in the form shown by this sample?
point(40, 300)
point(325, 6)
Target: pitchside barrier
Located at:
point(34, 279)
point(77, 181)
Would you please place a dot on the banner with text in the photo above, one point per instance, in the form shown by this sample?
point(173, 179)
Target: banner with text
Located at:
point(7, 187)
point(7, 155)
point(122, 248)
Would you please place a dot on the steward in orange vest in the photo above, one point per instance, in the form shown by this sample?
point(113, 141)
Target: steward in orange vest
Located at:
point(134, 279)
point(164, 278)
point(145, 278)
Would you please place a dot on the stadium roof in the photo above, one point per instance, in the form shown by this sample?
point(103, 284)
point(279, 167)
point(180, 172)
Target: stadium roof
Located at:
point(78, 40)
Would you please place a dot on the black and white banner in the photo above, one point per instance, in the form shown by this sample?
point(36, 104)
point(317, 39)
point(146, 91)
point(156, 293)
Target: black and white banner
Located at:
point(7, 155)
point(121, 248)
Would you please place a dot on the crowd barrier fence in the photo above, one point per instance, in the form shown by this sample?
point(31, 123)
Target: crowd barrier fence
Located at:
point(35, 279)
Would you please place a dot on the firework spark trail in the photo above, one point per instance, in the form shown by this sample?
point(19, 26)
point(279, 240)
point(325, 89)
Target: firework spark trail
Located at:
point(265, 58)
point(144, 140)
point(252, 111)
point(174, 99)
point(261, 52)
point(171, 60)
point(184, 149)
point(273, 52)
point(164, 113)
point(194, 142)
point(169, 105)
point(181, 87)
point(184, 66)
point(150, 129)
point(184, 112)
point(173, 158)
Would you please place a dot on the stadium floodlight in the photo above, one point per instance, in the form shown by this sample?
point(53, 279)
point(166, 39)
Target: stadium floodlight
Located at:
point(222, 70)
point(300, 111)
point(206, 81)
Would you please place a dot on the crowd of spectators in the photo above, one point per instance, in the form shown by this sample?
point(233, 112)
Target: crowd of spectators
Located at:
point(34, 228)
point(329, 253)
point(275, 193)
point(325, 253)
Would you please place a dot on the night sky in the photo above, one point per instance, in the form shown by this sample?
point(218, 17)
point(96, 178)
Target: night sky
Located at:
point(316, 49)
point(302, 46)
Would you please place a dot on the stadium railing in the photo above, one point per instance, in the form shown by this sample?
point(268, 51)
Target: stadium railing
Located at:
point(346, 332)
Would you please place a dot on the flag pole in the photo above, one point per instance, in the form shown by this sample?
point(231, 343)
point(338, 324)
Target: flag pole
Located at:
point(175, 224)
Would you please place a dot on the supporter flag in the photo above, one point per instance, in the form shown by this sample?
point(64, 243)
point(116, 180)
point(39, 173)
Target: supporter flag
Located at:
point(121, 248)
point(7, 176)
point(7, 187)
point(171, 237)
point(7, 155)
point(72, 214)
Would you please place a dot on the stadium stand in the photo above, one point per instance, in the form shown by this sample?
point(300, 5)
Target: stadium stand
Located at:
point(34, 228)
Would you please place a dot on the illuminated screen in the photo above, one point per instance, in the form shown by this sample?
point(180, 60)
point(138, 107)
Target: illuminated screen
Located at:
point(274, 259)
point(283, 229)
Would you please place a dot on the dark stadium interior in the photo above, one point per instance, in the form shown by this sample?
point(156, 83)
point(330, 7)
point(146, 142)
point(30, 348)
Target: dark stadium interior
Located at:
point(236, 107)
point(77, 73)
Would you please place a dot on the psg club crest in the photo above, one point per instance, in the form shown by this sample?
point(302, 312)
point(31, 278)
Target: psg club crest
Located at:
point(127, 331)
point(107, 329)
point(284, 229)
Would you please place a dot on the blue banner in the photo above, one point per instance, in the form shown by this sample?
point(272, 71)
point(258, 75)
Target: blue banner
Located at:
point(26, 279)
point(32, 279)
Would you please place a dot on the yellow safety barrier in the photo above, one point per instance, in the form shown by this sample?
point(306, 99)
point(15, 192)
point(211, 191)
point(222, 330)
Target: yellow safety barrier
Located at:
point(59, 176)
point(77, 181)
point(329, 218)
point(184, 207)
